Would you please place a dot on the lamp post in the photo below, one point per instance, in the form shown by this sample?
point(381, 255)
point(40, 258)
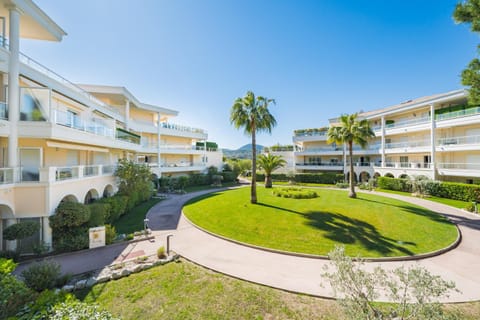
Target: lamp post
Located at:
point(145, 225)
point(168, 243)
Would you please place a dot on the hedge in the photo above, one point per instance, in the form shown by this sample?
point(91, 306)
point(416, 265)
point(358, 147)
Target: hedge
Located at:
point(448, 190)
point(323, 178)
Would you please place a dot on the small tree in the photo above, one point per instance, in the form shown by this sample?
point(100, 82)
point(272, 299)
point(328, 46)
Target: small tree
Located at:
point(19, 231)
point(135, 181)
point(414, 291)
point(270, 163)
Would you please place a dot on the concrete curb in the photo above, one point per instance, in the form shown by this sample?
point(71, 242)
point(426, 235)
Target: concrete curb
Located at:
point(431, 254)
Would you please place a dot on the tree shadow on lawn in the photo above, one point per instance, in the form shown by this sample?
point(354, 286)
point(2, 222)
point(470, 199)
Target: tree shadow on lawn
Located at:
point(432, 215)
point(346, 230)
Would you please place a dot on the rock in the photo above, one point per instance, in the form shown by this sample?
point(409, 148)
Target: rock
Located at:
point(137, 268)
point(125, 273)
point(103, 278)
point(91, 282)
point(146, 266)
point(116, 275)
point(68, 288)
point(80, 284)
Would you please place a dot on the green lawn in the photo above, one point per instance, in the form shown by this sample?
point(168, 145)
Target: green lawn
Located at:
point(370, 226)
point(186, 291)
point(207, 187)
point(133, 221)
point(450, 202)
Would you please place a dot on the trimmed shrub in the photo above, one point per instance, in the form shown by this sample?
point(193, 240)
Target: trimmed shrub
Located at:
point(161, 253)
point(110, 234)
point(320, 178)
point(295, 193)
point(342, 185)
point(42, 275)
point(395, 184)
point(229, 176)
point(98, 212)
point(20, 230)
point(69, 214)
point(71, 240)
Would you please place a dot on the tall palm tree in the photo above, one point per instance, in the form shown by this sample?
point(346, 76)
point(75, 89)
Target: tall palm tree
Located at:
point(252, 114)
point(349, 131)
point(270, 163)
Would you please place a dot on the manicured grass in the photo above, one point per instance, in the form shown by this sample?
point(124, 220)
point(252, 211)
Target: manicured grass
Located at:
point(450, 202)
point(133, 221)
point(370, 226)
point(186, 291)
point(208, 187)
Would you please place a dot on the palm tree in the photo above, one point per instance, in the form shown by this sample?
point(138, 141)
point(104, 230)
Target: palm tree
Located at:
point(351, 130)
point(252, 114)
point(270, 163)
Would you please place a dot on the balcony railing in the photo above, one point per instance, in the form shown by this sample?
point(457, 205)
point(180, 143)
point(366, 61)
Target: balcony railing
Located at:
point(322, 149)
point(127, 136)
point(459, 140)
point(400, 165)
point(3, 111)
point(407, 144)
point(65, 173)
point(321, 164)
point(461, 166)
point(76, 172)
point(403, 123)
point(174, 126)
point(74, 121)
point(458, 114)
point(6, 175)
point(310, 133)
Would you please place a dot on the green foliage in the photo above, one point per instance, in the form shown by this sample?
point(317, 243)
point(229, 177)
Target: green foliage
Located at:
point(469, 12)
point(69, 214)
point(70, 226)
point(134, 182)
point(470, 207)
point(448, 190)
point(13, 292)
point(217, 180)
point(20, 230)
point(161, 253)
point(42, 275)
point(110, 233)
point(229, 176)
point(40, 308)
point(211, 146)
point(269, 163)
point(342, 185)
point(295, 193)
point(394, 184)
point(320, 178)
point(98, 212)
point(74, 309)
point(414, 291)
point(10, 254)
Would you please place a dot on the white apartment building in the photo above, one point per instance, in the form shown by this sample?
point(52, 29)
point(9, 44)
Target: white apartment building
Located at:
point(61, 141)
point(436, 136)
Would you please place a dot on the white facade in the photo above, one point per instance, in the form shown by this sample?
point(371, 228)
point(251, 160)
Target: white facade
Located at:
point(59, 140)
point(408, 141)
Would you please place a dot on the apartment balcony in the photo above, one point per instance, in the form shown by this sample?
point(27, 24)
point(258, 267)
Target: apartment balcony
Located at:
point(459, 143)
point(399, 169)
point(327, 150)
point(369, 149)
point(173, 148)
point(408, 146)
point(415, 124)
point(176, 167)
point(327, 166)
point(458, 118)
point(310, 135)
point(459, 169)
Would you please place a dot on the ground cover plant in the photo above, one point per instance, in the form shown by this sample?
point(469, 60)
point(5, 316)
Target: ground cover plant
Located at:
point(370, 226)
point(295, 193)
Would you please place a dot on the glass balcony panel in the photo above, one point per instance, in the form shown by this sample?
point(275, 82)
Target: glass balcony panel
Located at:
point(6, 175)
point(3, 111)
point(34, 104)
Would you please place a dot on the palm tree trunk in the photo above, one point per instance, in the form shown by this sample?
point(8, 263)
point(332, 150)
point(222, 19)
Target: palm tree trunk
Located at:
point(268, 181)
point(352, 193)
point(253, 188)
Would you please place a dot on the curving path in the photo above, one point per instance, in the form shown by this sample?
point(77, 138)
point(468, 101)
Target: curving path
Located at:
point(302, 275)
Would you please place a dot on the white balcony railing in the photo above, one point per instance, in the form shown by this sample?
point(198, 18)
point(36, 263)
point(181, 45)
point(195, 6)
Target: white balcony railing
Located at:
point(78, 172)
point(95, 126)
point(178, 127)
point(461, 166)
point(320, 164)
point(6, 175)
point(404, 165)
point(407, 144)
point(458, 114)
point(475, 139)
point(403, 123)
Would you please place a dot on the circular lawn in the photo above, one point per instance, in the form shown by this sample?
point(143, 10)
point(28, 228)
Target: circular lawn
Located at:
point(369, 226)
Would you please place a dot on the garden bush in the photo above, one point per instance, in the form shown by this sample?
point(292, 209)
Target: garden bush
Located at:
point(320, 178)
point(295, 193)
point(98, 212)
point(110, 234)
point(161, 253)
point(14, 294)
point(229, 176)
point(70, 226)
point(42, 275)
point(448, 190)
point(20, 230)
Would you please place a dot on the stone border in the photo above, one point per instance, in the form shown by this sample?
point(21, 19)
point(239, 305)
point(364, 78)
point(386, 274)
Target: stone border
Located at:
point(115, 274)
point(431, 254)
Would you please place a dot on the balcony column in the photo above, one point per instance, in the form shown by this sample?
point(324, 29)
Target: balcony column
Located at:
point(13, 86)
point(205, 151)
point(383, 142)
point(432, 141)
point(127, 114)
point(158, 145)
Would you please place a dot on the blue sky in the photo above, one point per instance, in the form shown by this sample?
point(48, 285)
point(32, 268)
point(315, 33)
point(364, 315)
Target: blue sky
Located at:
point(318, 59)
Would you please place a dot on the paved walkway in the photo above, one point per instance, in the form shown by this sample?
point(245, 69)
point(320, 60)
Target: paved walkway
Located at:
point(296, 274)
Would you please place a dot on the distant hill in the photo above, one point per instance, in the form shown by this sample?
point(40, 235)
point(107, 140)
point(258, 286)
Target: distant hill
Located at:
point(244, 152)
